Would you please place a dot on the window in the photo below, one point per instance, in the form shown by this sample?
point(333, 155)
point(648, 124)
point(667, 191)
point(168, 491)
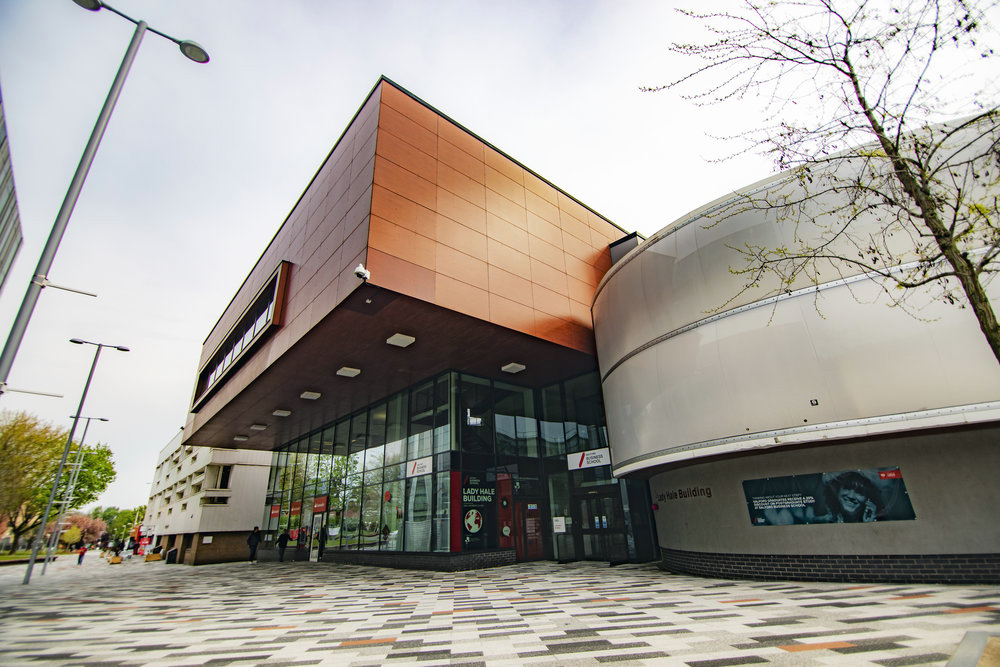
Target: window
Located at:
point(442, 513)
point(265, 310)
point(224, 473)
point(393, 478)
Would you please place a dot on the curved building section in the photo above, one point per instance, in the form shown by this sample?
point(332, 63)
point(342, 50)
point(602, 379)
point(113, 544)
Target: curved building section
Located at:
point(819, 435)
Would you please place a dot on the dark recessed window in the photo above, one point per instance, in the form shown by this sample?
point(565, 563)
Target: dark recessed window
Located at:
point(257, 322)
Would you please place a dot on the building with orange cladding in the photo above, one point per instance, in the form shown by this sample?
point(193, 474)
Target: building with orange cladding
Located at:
point(415, 345)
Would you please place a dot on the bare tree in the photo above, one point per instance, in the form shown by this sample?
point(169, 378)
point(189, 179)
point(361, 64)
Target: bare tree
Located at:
point(882, 180)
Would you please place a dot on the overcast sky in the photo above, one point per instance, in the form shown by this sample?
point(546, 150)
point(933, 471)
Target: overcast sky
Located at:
point(201, 163)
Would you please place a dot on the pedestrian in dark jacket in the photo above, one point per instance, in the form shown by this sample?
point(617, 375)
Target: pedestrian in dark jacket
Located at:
point(282, 543)
point(253, 541)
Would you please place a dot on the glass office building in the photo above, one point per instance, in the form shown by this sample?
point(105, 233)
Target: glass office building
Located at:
point(460, 464)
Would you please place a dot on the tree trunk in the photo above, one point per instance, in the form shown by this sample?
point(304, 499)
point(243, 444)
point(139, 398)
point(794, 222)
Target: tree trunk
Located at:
point(960, 264)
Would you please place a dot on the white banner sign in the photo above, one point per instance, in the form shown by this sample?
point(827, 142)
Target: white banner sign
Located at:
point(591, 459)
point(420, 466)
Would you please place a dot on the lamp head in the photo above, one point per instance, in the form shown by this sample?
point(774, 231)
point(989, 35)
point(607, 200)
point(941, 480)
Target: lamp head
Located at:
point(191, 50)
point(77, 341)
point(92, 5)
point(122, 348)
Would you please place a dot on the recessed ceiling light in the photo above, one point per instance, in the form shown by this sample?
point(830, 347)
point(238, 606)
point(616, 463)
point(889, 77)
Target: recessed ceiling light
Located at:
point(241, 438)
point(310, 395)
point(513, 367)
point(400, 340)
point(348, 372)
point(281, 413)
point(258, 427)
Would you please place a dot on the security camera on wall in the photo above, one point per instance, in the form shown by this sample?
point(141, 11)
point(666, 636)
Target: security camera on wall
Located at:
point(362, 273)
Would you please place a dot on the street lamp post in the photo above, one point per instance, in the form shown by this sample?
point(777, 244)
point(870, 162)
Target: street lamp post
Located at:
point(68, 494)
point(65, 454)
point(39, 279)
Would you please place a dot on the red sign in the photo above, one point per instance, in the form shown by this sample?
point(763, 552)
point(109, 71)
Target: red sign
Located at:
point(144, 541)
point(319, 504)
point(890, 474)
point(275, 511)
point(296, 508)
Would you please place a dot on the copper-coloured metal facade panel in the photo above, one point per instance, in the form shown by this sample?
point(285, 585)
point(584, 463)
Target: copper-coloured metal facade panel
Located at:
point(438, 216)
point(503, 237)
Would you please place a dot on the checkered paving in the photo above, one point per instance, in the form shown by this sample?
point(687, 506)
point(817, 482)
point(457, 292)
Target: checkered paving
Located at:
point(531, 614)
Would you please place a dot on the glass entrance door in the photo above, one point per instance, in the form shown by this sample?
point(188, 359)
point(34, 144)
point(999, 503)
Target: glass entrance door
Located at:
point(528, 520)
point(317, 536)
point(600, 525)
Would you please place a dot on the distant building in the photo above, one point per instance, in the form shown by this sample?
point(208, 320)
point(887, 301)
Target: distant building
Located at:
point(205, 501)
point(10, 221)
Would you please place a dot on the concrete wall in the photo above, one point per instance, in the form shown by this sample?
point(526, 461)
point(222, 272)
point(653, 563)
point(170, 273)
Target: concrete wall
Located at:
point(248, 484)
point(951, 478)
point(185, 476)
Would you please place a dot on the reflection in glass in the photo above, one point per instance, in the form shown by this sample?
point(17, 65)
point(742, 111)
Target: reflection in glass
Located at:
point(392, 516)
point(395, 429)
point(476, 414)
point(371, 511)
point(442, 514)
point(417, 529)
point(420, 442)
point(350, 534)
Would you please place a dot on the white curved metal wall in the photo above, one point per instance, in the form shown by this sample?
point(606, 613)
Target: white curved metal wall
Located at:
point(683, 379)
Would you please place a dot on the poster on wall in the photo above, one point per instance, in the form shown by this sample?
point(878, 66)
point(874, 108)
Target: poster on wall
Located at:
point(479, 526)
point(847, 496)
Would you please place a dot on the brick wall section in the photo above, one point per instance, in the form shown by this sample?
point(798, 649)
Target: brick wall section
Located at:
point(929, 569)
point(225, 548)
point(441, 562)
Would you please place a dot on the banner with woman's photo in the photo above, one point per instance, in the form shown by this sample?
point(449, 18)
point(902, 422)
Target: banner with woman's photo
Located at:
point(848, 496)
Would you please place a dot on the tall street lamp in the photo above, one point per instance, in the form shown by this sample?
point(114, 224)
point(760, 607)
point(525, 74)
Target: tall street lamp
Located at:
point(65, 454)
point(68, 494)
point(40, 279)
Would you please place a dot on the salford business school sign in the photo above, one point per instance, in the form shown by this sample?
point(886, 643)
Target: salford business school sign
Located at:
point(591, 459)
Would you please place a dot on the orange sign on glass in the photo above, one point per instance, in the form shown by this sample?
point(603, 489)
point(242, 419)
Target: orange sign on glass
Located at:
point(319, 504)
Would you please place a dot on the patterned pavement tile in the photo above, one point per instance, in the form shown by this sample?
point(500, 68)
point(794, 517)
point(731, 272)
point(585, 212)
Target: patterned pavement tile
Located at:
point(530, 614)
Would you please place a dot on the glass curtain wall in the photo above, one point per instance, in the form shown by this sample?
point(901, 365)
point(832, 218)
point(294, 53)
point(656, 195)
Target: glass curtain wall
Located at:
point(387, 471)
point(384, 487)
point(571, 420)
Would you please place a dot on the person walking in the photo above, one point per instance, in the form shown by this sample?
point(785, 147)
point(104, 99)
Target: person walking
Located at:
point(81, 551)
point(282, 544)
point(253, 541)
